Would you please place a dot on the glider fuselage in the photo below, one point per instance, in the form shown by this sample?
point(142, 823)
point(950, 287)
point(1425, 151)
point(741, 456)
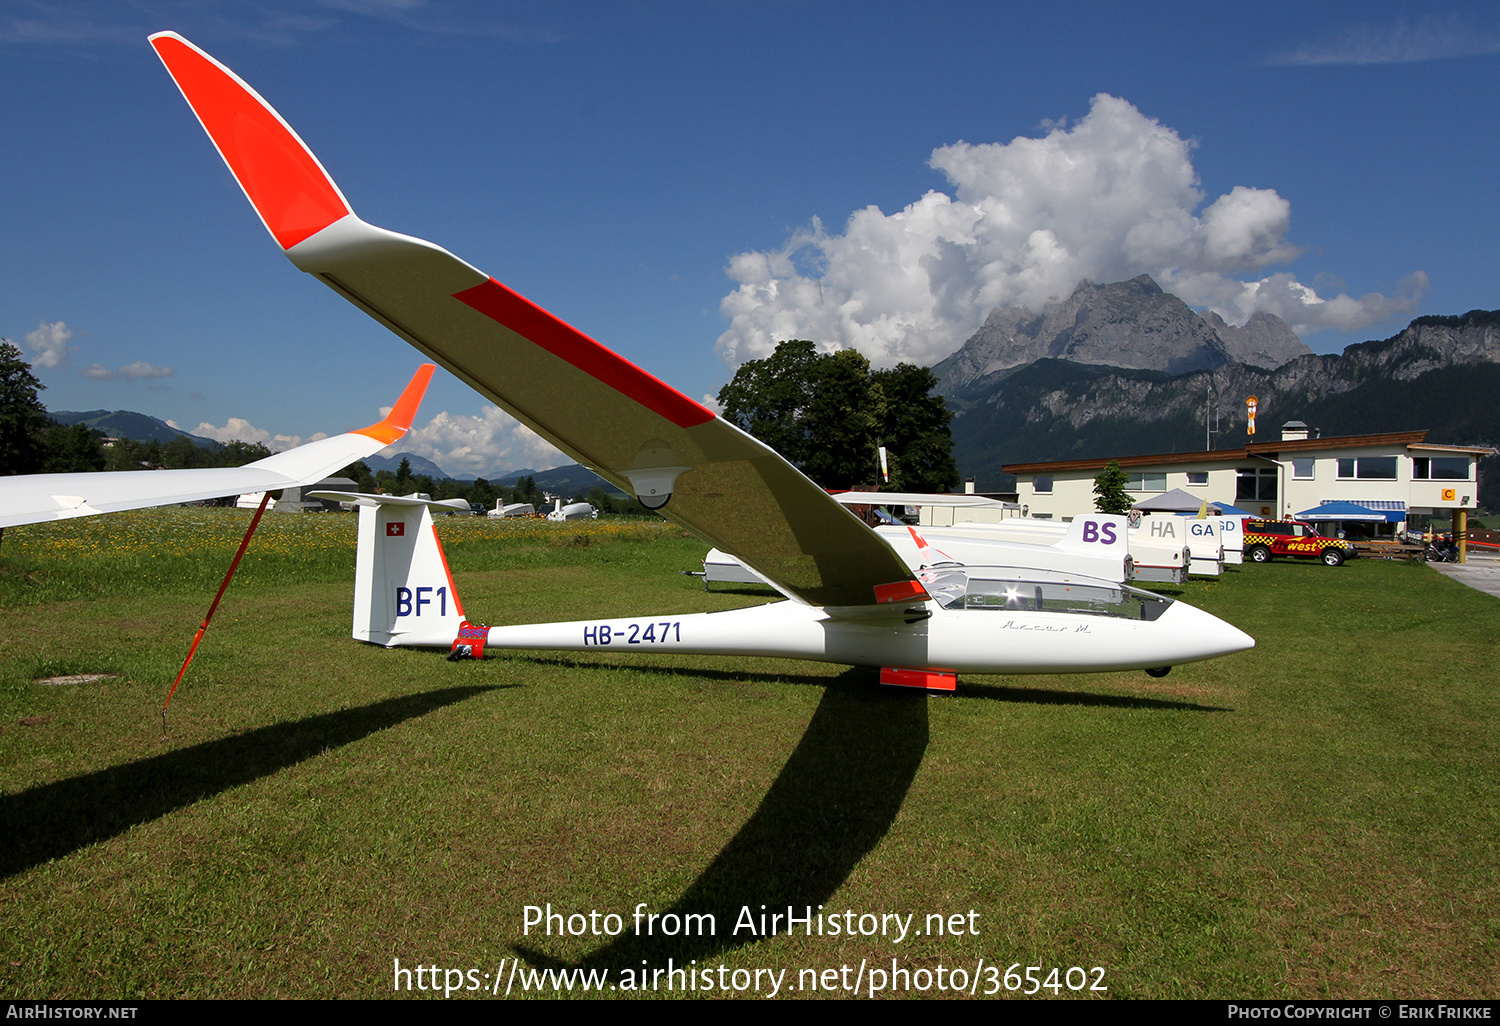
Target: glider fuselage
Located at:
point(992, 640)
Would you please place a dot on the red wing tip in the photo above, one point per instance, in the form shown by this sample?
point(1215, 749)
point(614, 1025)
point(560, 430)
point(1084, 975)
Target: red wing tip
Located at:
point(399, 420)
point(284, 182)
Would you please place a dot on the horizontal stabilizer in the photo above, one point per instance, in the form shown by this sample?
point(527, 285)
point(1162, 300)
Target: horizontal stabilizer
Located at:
point(365, 499)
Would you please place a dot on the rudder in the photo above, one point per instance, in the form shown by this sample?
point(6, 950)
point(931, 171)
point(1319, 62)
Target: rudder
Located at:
point(403, 590)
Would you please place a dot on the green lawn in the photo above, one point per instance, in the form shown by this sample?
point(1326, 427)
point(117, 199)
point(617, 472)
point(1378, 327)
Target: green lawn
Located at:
point(1316, 818)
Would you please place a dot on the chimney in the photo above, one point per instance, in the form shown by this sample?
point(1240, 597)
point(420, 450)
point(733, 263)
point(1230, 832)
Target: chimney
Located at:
point(969, 486)
point(1295, 431)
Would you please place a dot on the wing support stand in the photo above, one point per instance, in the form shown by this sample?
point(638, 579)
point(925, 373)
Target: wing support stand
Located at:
point(203, 627)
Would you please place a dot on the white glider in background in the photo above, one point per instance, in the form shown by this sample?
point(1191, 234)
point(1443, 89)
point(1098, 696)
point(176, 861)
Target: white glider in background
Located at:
point(853, 598)
point(35, 498)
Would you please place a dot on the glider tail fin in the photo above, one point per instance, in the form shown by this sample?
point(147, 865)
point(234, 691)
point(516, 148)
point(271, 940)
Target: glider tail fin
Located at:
point(403, 590)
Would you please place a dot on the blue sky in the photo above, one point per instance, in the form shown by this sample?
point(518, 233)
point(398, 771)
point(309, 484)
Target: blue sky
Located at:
point(689, 181)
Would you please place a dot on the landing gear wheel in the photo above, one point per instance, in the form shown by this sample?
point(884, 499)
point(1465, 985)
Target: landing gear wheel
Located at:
point(1158, 671)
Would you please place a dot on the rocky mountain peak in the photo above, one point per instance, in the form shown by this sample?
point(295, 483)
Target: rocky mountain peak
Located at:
point(1132, 324)
point(1263, 341)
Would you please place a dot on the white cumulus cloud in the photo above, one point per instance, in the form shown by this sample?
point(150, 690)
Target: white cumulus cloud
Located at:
point(460, 444)
point(491, 441)
point(50, 344)
point(1109, 198)
point(241, 430)
point(140, 369)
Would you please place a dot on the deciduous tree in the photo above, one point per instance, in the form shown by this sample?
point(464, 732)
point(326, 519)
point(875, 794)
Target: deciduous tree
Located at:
point(23, 418)
point(1109, 490)
point(828, 414)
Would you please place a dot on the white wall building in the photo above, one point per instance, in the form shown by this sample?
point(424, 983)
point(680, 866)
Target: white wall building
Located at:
point(1397, 473)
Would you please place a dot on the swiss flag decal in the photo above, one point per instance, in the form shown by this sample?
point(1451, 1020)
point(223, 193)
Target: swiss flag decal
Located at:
point(395, 529)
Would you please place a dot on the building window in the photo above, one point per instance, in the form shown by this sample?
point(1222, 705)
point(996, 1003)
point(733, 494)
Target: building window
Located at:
point(1197, 477)
point(1440, 468)
point(1257, 484)
point(1144, 482)
point(1042, 486)
point(1367, 468)
point(1302, 469)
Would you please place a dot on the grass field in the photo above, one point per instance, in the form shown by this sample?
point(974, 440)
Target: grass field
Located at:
point(1316, 818)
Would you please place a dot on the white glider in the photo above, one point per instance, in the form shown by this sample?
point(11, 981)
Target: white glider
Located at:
point(35, 498)
point(978, 619)
point(853, 598)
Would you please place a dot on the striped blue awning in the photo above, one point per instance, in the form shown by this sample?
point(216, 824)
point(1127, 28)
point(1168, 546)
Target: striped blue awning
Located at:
point(1394, 509)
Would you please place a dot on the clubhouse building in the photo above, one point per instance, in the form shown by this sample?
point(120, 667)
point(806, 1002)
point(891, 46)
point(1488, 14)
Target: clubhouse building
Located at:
point(1397, 474)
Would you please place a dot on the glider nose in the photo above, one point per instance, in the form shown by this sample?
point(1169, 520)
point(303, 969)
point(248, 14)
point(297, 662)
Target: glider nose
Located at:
point(1204, 636)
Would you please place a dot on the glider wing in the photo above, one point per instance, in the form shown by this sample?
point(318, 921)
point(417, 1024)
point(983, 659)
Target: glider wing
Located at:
point(625, 425)
point(34, 498)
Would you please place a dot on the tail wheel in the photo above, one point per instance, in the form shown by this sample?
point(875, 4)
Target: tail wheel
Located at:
point(1333, 557)
point(1259, 554)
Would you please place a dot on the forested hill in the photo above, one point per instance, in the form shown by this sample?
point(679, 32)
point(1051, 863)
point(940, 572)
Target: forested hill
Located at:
point(125, 424)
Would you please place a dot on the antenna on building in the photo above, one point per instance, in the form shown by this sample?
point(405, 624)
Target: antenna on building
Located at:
point(1210, 414)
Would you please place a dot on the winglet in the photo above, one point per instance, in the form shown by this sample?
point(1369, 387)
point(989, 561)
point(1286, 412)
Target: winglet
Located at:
point(398, 421)
point(290, 190)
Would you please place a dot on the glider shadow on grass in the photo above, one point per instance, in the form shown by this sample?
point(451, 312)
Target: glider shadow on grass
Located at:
point(867, 678)
point(832, 803)
point(53, 820)
point(1047, 696)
